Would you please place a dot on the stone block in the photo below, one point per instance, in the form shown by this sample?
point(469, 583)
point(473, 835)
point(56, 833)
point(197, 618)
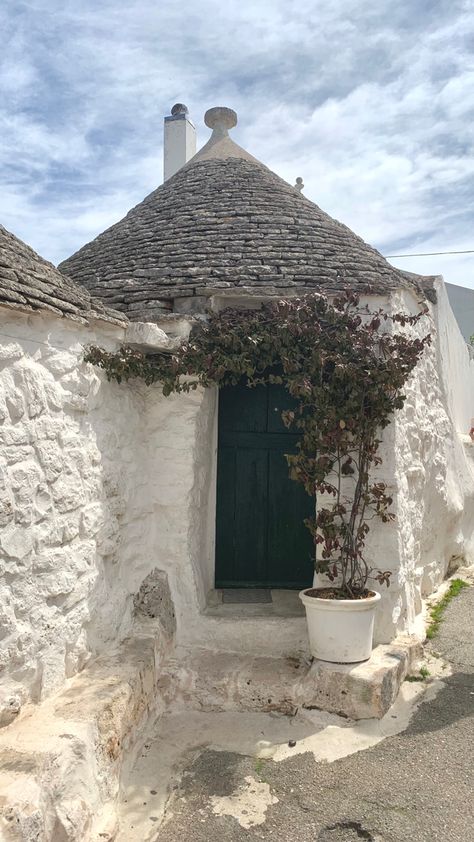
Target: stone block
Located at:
point(191, 305)
point(78, 403)
point(146, 336)
point(7, 504)
point(14, 436)
point(50, 560)
point(154, 601)
point(49, 427)
point(59, 362)
point(35, 397)
point(77, 383)
point(10, 352)
point(16, 454)
point(92, 519)
point(70, 525)
point(68, 493)
point(54, 395)
point(12, 697)
point(25, 477)
point(16, 541)
point(361, 691)
point(58, 583)
point(15, 405)
point(51, 458)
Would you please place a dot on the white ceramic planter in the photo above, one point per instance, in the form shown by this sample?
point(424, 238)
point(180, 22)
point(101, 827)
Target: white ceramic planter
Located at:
point(340, 630)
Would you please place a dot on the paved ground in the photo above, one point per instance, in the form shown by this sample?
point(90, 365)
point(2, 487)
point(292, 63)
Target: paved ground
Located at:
point(415, 787)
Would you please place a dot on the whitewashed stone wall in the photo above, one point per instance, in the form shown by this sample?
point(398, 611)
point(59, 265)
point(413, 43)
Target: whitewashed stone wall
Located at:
point(100, 485)
point(429, 466)
point(69, 476)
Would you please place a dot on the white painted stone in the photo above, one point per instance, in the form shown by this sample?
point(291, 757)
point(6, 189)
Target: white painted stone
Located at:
point(147, 336)
point(10, 352)
point(16, 541)
point(248, 804)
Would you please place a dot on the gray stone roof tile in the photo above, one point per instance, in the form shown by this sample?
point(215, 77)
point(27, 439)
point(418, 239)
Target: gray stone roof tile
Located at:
point(224, 220)
point(28, 282)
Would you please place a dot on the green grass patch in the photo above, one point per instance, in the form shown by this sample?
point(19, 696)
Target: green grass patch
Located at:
point(422, 675)
point(436, 613)
point(259, 767)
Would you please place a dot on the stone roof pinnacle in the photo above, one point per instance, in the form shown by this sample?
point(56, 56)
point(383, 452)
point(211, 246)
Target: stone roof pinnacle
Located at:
point(220, 145)
point(220, 119)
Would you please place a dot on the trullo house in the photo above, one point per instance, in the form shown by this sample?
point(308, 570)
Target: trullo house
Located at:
point(122, 516)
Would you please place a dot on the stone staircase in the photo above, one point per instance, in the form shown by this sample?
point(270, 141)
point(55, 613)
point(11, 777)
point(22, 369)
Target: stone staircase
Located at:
point(202, 679)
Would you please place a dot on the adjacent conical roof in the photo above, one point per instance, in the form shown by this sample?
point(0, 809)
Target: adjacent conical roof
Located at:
point(28, 282)
point(224, 221)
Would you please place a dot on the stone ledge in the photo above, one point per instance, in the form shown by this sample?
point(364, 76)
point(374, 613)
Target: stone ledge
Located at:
point(60, 762)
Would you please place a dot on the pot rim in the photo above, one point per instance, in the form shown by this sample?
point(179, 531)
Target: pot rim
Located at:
point(339, 604)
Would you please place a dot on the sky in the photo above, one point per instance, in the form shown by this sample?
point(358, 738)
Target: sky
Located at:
point(371, 102)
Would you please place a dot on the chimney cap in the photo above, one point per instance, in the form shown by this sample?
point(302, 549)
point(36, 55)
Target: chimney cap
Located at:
point(220, 118)
point(179, 108)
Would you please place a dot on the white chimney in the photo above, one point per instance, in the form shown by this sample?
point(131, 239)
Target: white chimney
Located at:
point(179, 140)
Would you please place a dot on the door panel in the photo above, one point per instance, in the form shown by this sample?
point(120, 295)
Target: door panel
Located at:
point(261, 540)
point(250, 517)
point(289, 542)
point(278, 400)
point(243, 409)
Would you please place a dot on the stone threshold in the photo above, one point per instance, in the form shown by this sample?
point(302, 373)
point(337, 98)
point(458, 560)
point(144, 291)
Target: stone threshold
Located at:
point(282, 603)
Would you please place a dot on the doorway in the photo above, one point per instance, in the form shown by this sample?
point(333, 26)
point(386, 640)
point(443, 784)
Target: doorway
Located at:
point(261, 539)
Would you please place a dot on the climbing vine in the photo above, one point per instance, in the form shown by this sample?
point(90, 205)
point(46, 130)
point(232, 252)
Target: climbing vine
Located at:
point(345, 367)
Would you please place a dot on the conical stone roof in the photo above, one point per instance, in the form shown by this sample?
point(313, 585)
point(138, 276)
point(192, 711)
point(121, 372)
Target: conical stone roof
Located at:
point(28, 282)
point(224, 221)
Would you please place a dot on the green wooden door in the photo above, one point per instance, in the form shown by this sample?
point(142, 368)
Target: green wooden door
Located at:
point(261, 540)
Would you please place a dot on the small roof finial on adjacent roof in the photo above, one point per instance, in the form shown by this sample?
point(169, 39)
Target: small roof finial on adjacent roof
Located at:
point(220, 119)
point(299, 183)
point(179, 108)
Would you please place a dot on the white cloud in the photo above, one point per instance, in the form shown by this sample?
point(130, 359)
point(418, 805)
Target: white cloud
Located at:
point(369, 101)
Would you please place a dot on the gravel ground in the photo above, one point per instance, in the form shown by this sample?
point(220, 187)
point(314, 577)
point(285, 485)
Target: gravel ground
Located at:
point(415, 787)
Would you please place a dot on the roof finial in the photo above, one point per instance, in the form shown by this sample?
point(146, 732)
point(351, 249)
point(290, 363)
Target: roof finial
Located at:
point(299, 183)
point(220, 119)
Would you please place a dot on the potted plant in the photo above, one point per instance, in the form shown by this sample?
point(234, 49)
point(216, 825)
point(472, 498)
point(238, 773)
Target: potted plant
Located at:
point(355, 388)
point(345, 368)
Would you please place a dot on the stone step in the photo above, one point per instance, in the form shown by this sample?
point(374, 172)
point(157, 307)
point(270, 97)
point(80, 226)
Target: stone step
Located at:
point(202, 679)
point(255, 630)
